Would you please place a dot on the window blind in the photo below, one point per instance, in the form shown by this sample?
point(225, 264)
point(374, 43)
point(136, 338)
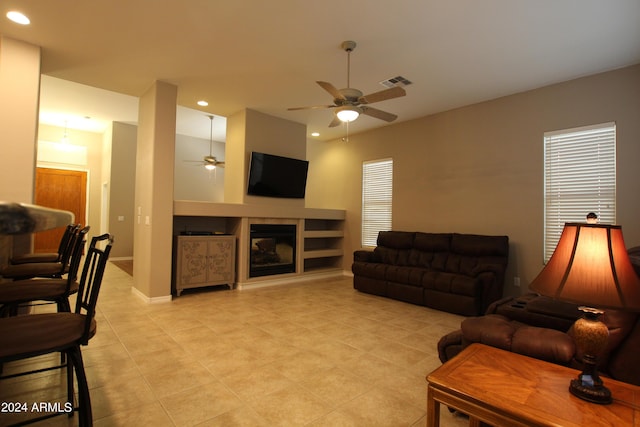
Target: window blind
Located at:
point(580, 177)
point(377, 188)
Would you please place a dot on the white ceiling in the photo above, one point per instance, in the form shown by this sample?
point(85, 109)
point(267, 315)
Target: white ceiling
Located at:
point(267, 55)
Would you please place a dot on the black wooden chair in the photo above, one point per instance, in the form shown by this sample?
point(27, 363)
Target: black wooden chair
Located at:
point(63, 247)
point(54, 270)
point(23, 337)
point(20, 292)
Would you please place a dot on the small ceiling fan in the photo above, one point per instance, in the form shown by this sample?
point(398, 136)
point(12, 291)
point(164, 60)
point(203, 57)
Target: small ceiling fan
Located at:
point(350, 103)
point(210, 162)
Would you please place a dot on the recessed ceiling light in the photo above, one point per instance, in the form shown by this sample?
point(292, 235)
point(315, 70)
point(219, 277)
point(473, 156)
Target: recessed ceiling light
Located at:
point(18, 18)
point(203, 103)
point(315, 133)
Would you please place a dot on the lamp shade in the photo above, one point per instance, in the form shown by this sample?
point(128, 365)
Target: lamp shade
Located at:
point(590, 266)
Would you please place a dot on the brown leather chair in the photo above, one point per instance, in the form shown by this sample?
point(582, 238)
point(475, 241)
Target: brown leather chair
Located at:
point(23, 337)
point(513, 326)
point(541, 327)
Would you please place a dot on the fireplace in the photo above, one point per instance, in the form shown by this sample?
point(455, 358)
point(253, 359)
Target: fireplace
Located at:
point(272, 249)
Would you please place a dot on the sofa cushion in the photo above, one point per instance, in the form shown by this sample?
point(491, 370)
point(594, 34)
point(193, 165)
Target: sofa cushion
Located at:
point(432, 242)
point(498, 331)
point(430, 250)
point(456, 284)
point(461, 264)
point(391, 256)
point(428, 260)
point(404, 274)
point(396, 239)
point(492, 329)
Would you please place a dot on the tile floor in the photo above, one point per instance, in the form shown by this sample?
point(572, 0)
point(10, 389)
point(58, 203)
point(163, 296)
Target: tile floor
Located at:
point(309, 354)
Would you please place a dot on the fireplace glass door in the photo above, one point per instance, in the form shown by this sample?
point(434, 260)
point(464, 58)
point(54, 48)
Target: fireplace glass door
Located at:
point(273, 249)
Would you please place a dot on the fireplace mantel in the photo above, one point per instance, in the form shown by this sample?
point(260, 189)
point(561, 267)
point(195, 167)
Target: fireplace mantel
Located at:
point(237, 210)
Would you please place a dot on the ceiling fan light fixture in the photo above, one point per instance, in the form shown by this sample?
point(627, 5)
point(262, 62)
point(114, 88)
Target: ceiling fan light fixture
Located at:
point(18, 17)
point(348, 114)
point(209, 166)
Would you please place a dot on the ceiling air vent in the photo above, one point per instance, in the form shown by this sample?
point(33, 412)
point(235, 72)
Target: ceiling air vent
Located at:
point(395, 81)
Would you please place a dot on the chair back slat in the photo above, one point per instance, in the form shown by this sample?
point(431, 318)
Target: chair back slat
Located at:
point(66, 240)
point(78, 241)
point(91, 280)
point(68, 245)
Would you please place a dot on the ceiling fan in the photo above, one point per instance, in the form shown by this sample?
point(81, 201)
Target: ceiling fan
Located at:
point(210, 162)
point(349, 103)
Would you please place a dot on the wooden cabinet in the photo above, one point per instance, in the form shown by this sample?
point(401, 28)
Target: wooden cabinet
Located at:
point(205, 261)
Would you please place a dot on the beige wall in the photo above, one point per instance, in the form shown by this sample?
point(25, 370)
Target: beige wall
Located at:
point(153, 225)
point(479, 169)
point(249, 131)
point(192, 181)
point(121, 188)
point(19, 99)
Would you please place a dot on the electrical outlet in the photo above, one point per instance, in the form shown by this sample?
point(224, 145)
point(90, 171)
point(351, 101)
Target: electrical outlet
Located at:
point(516, 281)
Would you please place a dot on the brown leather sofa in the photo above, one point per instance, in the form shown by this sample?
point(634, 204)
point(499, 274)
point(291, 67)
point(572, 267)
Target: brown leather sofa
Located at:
point(540, 327)
point(458, 273)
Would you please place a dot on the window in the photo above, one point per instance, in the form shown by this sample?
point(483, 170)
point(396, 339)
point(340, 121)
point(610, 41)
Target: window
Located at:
point(580, 177)
point(377, 189)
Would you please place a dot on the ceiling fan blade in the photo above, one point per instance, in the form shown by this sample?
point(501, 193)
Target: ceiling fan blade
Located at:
point(378, 114)
point(220, 164)
point(332, 90)
point(383, 95)
point(335, 122)
point(312, 107)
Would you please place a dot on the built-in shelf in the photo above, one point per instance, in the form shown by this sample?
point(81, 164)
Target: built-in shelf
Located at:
point(323, 244)
point(312, 234)
point(322, 253)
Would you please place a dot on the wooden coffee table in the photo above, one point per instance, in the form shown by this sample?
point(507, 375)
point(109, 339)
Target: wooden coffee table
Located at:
point(507, 389)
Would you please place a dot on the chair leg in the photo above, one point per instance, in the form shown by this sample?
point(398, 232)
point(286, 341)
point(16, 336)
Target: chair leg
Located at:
point(63, 306)
point(84, 400)
point(70, 393)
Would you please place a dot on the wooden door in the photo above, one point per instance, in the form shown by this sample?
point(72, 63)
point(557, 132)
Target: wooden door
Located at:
point(59, 189)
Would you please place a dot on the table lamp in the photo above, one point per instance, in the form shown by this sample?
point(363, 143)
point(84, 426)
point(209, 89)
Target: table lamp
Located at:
point(590, 266)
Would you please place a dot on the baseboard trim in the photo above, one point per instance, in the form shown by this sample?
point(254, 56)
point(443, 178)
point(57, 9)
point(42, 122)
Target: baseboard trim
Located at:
point(148, 300)
point(122, 258)
point(308, 277)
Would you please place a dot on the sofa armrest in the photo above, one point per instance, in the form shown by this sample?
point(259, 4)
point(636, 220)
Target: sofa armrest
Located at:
point(363, 255)
point(450, 345)
point(492, 287)
point(493, 307)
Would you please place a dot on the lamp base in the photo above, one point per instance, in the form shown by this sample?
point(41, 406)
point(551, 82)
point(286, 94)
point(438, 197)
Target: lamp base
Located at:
point(591, 393)
point(591, 336)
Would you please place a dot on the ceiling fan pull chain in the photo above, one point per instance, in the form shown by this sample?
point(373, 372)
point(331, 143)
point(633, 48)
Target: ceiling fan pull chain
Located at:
point(211, 137)
point(348, 68)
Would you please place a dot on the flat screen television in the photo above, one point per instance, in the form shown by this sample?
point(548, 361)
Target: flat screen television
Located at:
point(277, 176)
